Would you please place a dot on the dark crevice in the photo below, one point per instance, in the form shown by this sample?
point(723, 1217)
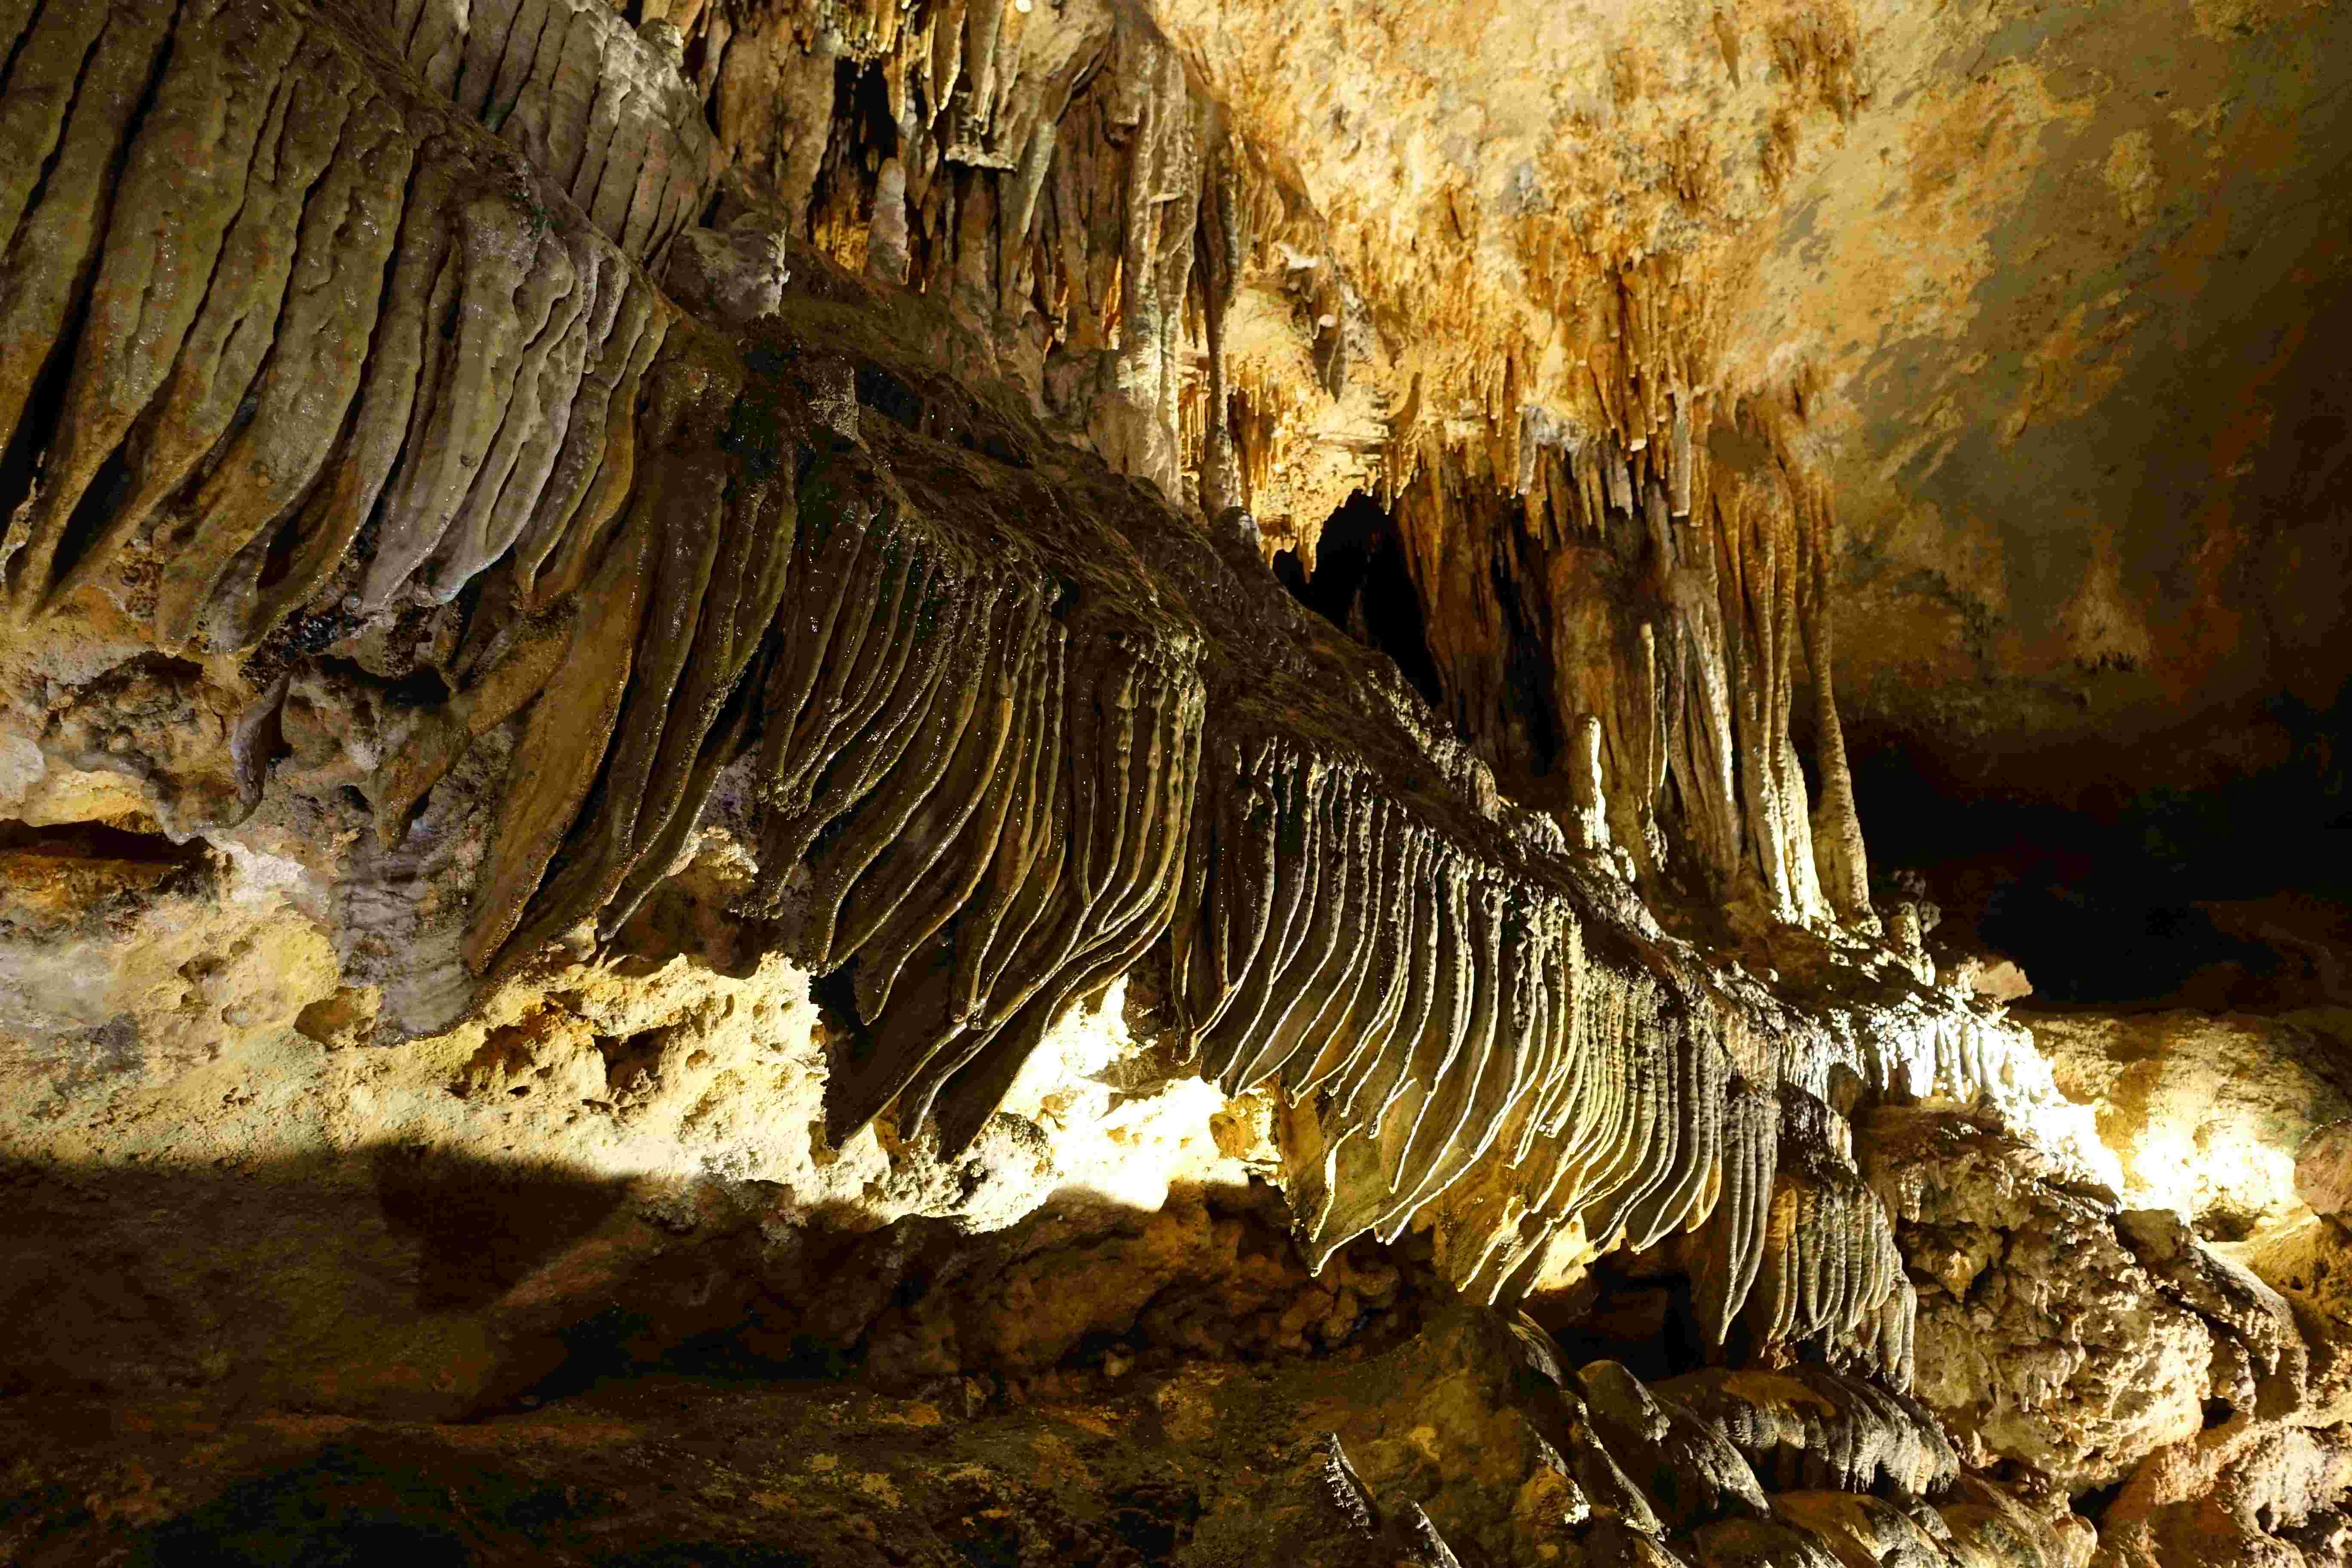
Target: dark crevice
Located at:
point(20, 463)
point(862, 125)
point(101, 841)
point(15, 51)
point(2094, 1504)
point(424, 687)
point(1647, 1323)
point(31, 436)
point(1362, 585)
point(95, 511)
point(1529, 678)
point(864, 91)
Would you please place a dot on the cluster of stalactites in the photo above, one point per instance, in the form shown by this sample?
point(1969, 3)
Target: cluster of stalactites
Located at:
point(1062, 180)
point(1646, 621)
point(1435, 1024)
point(977, 809)
point(1815, 1428)
point(1829, 1270)
point(1060, 177)
point(1428, 1005)
point(981, 789)
point(952, 781)
point(597, 107)
point(293, 302)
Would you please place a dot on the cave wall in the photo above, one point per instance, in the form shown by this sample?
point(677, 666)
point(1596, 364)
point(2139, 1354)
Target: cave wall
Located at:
point(641, 706)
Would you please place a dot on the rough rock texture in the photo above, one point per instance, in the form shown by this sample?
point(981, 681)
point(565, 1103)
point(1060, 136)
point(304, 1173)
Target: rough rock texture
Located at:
point(2207, 1115)
point(2241, 1492)
point(2094, 1345)
point(599, 107)
point(2040, 1335)
point(2038, 293)
point(1461, 1443)
point(644, 723)
point(2322, 1171)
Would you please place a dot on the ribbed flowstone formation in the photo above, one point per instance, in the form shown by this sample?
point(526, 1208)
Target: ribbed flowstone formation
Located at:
point(640, 707)
point(1007, 727)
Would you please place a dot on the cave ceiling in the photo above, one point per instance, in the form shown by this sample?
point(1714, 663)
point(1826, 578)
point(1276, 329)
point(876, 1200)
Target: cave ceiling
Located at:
point(2061, 290)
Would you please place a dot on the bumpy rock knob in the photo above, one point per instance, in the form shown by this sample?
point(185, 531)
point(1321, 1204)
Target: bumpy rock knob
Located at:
point(735, 276)
point(664, 38)
point(2323, 1170)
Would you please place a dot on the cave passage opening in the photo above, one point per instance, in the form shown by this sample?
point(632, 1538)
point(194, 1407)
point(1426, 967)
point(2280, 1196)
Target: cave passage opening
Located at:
point(1363, 585)
point(2226, 898)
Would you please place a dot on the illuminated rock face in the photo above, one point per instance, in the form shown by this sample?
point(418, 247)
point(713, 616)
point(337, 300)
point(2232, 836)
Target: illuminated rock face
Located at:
point(1000, 726)
point(2212, 1116)
point(642, 707)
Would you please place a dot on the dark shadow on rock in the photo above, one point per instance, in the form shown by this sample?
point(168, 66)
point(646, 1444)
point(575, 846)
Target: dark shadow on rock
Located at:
point(385, 1499)
point(2155, 896)
point(342, 1507)
point(482, 1227)
point(336, 1279)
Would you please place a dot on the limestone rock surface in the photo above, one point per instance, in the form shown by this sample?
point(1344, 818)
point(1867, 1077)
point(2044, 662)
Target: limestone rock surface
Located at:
point(1451, 1442)
point(2323, 1170)
point(2207, 1115)
point(688, 871)
point(2041, 1336)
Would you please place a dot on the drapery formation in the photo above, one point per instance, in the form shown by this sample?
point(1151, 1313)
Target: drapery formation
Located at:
point(299, 353)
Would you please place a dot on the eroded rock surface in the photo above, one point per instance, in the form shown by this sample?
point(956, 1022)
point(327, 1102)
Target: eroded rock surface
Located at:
point(1462, 1442)
point(2208, 1115)
point(2039, 1333)
point(644, 731)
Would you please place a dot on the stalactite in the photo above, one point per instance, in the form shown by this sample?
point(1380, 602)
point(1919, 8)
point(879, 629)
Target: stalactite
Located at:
point(1679, 577)
point(1812, 1427)
point(1009, 725)
point(1837, 831)
point(598, 109)
point(1829, 1261)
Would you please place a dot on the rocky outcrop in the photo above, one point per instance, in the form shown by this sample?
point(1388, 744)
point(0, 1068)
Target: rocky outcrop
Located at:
point(2206, 1114)
point(2323, 1170)
point(2243, 1493)
point(2103, 1347)
point(1461, 1442)
point(2041, 1335)
point(644, 722)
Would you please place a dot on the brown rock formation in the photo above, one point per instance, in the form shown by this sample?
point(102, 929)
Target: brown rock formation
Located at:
point(644, 731)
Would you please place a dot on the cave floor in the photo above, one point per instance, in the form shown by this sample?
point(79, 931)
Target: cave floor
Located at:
point(1201, 1462)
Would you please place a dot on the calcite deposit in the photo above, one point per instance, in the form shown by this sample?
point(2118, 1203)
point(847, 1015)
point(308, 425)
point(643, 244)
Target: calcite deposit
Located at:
point(686, 876)
point(2218, 1117)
